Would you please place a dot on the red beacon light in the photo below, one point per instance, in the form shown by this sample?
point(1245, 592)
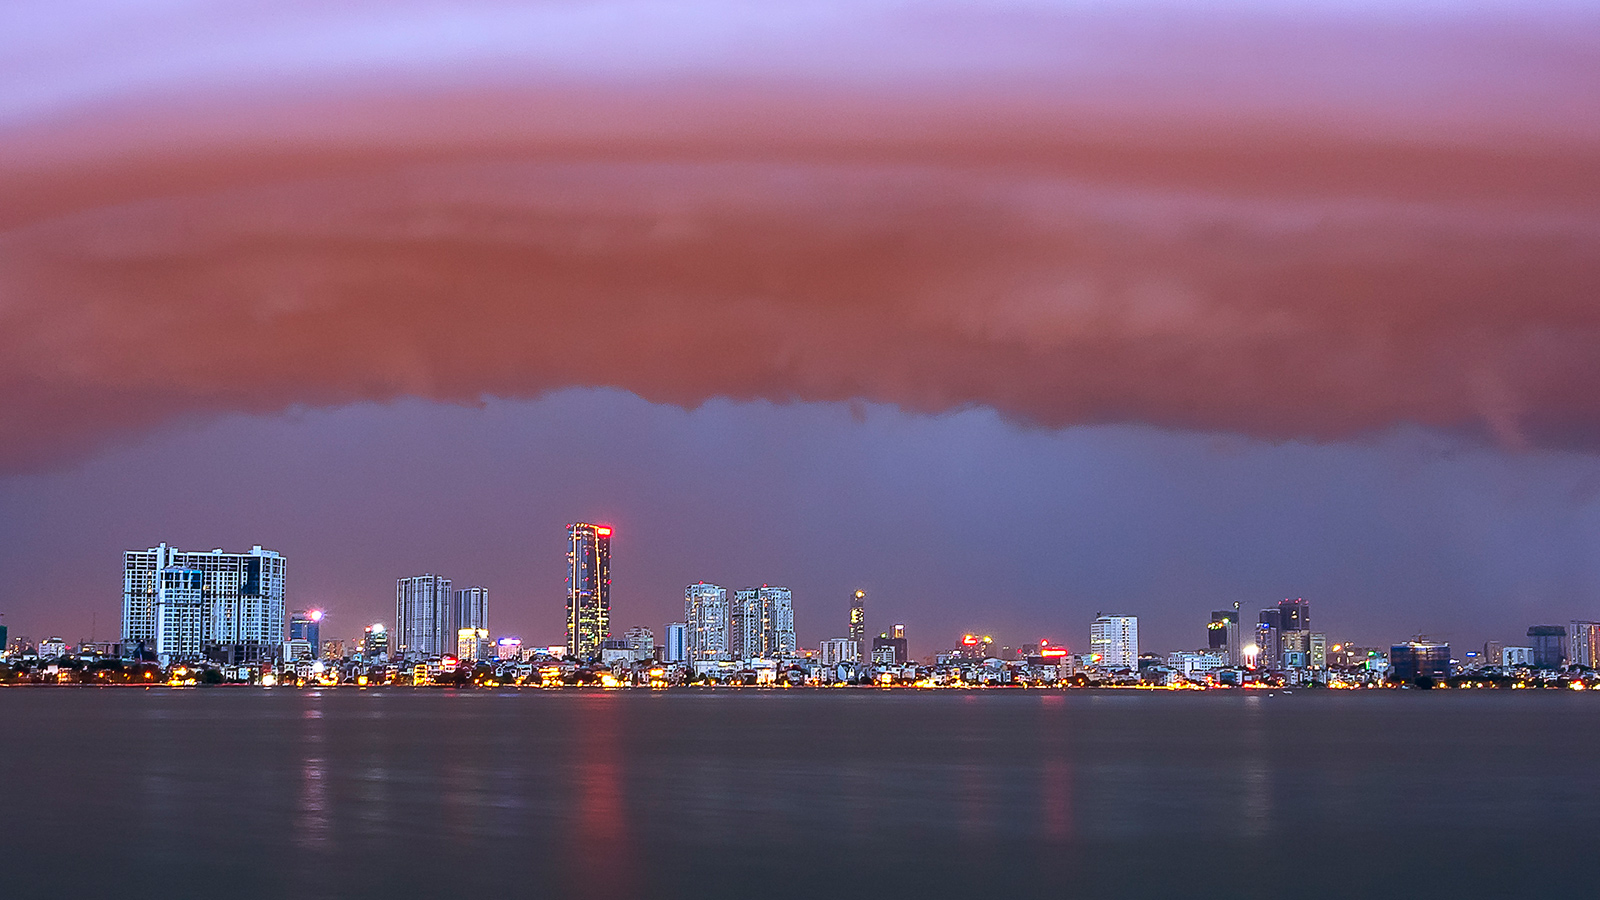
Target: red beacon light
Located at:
point(603, 531)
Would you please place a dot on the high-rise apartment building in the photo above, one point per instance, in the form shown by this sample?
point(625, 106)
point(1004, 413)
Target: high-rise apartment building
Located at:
point(858, 622)
point(183, 605)
point(470, 608)
point(763, 623)
point(588, 588)
point(705, 607)
point(422, 625)
point(675, 644)
point(1114, 642)
point(1583, 643)
point(1269, 638)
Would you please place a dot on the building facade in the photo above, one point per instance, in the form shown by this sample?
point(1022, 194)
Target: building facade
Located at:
point(194, 604)
point(1419, 659)
point(705, 607)
point(1549, 646)
point(588, 588)
point(675, 643)
point(1114, 642)
point(1583, 643)
point(834, 651)
point(306, 625)
point(642, 641)
point(375, 642)
point(469, 608)
point(422, 625)
point(763, 623)
point(858, 622)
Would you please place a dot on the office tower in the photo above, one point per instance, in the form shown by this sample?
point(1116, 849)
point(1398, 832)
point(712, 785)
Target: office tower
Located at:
point(1269, 641)
point(642, 641)
point(472, 644)
point(900, 631)
point(375, 642)
point(588, 588)
point(705, 606)
point(744, 624)
point(1294, 615)
point(675, 646)
point(1223, 635)
point(470, 608)
point(858, 622)
point(1419, 659)
point(306, 625)
point(896, 650)
point(1549, 646)
point(236, 612)
point(1583, 643)
point(422, 618)
point(833, 651)
point(1114, 642)
point(1317, 650)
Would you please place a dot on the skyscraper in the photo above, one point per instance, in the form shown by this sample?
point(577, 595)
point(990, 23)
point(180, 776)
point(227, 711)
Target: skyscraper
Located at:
point(705, 606)
point(763, 623)
point(1269, 644)
point(470, 608)
point(1115, 641)
point(744, 624)
point(422, 617)
point(675, 646)
point(588, 588)
point(237, 608)
point(858, 622)
point(1294, 615)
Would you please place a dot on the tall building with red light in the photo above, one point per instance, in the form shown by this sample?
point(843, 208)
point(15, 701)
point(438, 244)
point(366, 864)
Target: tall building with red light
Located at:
point(588, 588)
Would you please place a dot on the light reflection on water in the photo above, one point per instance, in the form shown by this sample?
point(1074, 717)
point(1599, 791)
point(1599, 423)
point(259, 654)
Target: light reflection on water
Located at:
point(395, 793)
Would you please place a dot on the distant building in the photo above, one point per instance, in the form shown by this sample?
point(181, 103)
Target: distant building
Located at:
point(1294, 615)
point(1492, 651)
point(422, 617)
point(1583, 644)
point(1419, 659)
point(469, 608)
point(306, 625)
point(1516, 657)
point(1549, 646)
point(4, 645)
point(705, 606)
point(615, 650)
point(375, 642)
point(1114, 642)
point(642, 641)
point(896, 647)
point(472, 644)
point(333, 649)
point(238, 603)
point(675, 645)
point(1222, 635)
point(588, 588)
point(52, 648)
point(833, 651)
point(1269, 646)
point(858, 622)
point(508, 648)
point(762, 623)
point(1317, 650)
point(1197, 665)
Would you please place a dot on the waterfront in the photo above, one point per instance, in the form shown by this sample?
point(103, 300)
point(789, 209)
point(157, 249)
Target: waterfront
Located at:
point(250, 793)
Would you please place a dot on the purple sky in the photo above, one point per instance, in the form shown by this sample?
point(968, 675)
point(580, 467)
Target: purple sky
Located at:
point(1007, 312)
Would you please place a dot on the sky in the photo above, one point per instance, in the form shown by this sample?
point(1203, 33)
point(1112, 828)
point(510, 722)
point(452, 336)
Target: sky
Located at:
point(1008, 312)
